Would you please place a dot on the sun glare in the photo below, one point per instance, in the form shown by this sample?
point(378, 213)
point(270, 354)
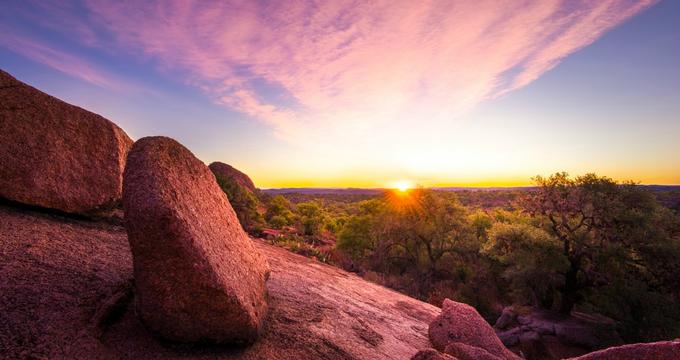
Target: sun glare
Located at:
point(402, 186)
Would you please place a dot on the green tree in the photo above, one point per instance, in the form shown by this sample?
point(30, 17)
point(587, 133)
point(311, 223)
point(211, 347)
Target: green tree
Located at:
point(532, 261)
point(278, 221)
point(357, 236)
point(311, 217)
point(244, 202)
point(279, 212)
point(418, 230)
point(606, 231)
point(481, 224)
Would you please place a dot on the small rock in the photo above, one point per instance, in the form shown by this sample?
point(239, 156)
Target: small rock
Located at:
point(462, 323)
point(508, 318)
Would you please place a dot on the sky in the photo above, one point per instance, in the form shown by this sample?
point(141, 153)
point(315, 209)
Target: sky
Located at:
point(372, 93)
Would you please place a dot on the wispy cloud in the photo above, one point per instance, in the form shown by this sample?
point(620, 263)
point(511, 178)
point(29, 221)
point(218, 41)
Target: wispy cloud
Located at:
point(345, 67)
point(69, 64)
point(61, 61)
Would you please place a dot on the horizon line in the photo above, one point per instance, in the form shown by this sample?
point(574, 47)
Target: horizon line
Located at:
point(431, 187)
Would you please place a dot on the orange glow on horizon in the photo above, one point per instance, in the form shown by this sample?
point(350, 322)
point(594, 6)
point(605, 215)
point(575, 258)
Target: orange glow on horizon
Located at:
point(365, 182)
point(274, 175)
point(402, 186)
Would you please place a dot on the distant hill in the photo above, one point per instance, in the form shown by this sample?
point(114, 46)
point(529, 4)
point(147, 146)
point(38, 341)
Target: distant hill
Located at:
point(376, 191)
point(484, 197)
point(483, 188)
point(323, 191)
point(662, 187)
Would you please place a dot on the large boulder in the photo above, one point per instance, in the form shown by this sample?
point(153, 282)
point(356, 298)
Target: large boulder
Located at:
point(461, 323)
point(228, 171)
point(662, 350)
point(242, 195)
point(56, 155)
point(198, 276)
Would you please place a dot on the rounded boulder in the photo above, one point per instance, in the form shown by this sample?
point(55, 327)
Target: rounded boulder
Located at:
point(228, 171)
point(461, 323)
point(55, 155)
point(198, 277)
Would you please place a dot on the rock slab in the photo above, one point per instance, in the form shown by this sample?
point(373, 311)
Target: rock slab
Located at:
point(56, 155)
point(57, 273)
point(198, 276)
point(662, 350)
point(461, 323)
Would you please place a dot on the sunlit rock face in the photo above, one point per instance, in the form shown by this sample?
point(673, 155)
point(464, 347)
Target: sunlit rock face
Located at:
point(66, 292)
point(198, 276)
point(56, 155)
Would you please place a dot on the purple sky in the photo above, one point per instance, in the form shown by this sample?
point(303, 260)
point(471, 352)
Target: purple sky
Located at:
point(339, 93)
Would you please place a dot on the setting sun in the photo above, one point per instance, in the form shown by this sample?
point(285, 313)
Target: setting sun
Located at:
point(402, 185)
point(494, 179)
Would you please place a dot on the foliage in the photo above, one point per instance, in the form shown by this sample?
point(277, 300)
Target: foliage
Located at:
point(297, 245)
point(601, 227)
point(419, 231)
point(586, 242)
point(311, 217)
point(416, 235)
point(279, 212)
point(244, 202)
point(531, 259)
point(620, 246)
point(357, 237)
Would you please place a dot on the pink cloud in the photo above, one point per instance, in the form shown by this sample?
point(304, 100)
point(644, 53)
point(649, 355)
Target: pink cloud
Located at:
point(348, 66)
point(585, 26)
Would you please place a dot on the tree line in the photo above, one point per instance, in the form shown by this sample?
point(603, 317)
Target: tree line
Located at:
point(587, 243)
